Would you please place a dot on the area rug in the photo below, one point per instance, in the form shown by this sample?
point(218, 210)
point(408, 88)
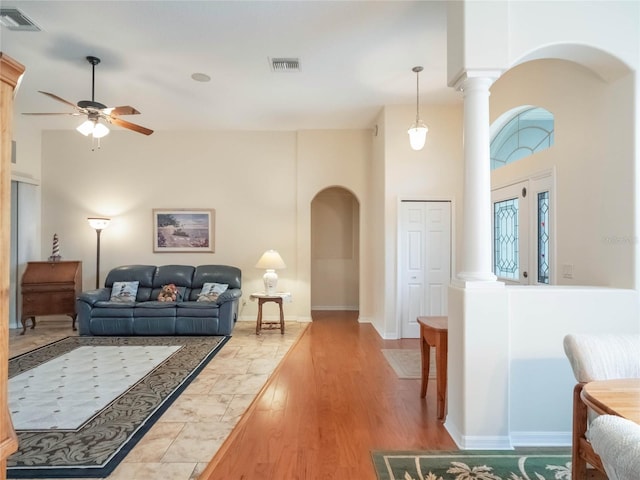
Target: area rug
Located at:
point(519, 464)
point(407, 362)
point(80, 404)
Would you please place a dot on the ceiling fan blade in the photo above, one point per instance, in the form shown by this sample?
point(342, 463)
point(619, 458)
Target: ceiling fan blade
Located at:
point(54, 113)
point(130, 126)
point(55, 97)
point(124, 110)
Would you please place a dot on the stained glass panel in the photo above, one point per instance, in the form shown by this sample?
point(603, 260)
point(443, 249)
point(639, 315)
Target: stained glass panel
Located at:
point(543, 237)
point(527, 132)
point(506, 254)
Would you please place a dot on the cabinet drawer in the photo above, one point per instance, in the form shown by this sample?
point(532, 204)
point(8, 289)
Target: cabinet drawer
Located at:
point(50, 303)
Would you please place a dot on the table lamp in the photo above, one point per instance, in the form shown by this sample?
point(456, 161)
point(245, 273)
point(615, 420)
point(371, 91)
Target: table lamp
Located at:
point(270, 261)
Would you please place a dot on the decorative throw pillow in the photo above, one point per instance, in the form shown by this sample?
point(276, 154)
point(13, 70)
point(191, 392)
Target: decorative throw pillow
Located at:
point(124, 292)
point(211, 291)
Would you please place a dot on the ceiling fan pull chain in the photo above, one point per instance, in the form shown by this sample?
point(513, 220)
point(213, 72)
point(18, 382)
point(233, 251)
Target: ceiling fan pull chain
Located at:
point(93, 143)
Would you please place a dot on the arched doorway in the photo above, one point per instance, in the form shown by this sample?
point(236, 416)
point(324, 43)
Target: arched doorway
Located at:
point(335, 250)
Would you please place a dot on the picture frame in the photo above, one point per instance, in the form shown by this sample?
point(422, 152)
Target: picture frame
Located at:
point(183, 230)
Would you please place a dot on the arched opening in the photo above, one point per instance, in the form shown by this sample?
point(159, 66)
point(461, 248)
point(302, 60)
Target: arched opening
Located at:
point(335, 250)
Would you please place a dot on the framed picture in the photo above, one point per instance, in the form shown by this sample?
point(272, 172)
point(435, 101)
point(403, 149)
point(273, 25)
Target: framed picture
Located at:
point(183, 230)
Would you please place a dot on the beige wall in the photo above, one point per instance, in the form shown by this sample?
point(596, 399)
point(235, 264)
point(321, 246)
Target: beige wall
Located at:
point(260, 183)
point(330, 158)
point(593, 162)
point(433, 173)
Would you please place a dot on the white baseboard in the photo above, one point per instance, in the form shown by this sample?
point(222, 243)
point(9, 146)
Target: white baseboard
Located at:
point(333, 308)
point(515, 439)
point(477, 442)
point(275, 318)
point(541, 439)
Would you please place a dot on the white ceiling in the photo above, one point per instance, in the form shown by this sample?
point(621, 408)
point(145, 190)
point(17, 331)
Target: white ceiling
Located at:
point(355, 56)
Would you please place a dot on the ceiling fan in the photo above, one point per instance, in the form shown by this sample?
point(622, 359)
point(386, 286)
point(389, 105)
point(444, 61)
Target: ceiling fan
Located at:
point(96, 111)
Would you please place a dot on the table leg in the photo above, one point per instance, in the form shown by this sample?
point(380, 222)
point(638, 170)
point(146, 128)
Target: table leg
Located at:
point(23, 320)
point(441, 376)
point(426, 361)
point(281, 318)
point(259, 320)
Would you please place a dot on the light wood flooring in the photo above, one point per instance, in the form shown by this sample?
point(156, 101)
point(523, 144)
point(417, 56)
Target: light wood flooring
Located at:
point(316, 415)
point(330, 402)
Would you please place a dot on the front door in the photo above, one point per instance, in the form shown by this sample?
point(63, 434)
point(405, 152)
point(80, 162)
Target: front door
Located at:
point(522, 235)
point(425, 262)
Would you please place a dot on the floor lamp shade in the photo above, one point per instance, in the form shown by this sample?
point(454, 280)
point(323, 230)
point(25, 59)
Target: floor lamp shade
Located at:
point(270, 261)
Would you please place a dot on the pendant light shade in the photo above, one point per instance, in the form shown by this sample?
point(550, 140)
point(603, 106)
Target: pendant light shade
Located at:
point(418, 130)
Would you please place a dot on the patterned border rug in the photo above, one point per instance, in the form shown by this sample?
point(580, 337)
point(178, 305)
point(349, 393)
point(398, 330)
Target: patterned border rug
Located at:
point(539, 464)
point(94, 449)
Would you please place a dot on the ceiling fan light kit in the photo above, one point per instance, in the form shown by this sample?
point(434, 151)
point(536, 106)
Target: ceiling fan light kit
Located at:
point(96, 111)
point(417, 131)
point(93, 128)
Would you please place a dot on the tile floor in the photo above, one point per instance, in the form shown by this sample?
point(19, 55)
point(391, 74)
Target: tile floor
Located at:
point(181, 443)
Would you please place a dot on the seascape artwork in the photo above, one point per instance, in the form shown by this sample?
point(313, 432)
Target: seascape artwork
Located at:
point(183, 231)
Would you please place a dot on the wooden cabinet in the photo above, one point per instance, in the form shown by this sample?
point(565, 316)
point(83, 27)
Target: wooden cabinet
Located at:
point(10, 73)
point(50, 288)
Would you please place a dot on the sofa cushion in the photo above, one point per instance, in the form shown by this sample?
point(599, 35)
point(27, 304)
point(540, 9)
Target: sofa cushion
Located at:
point(179, 275)
point(197, 309)
point(155, 309)
point(124, 292)
point(216, 274)
point(113, 310)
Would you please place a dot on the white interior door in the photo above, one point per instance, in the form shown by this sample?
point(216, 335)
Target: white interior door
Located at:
point(425, 262)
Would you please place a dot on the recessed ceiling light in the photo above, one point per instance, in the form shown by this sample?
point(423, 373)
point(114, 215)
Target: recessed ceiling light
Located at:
point(201, 77)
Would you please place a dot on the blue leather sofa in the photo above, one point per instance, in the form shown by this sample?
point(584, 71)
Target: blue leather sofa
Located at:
point(98, 315)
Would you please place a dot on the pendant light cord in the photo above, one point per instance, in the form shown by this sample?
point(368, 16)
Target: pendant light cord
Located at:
point(417, 70)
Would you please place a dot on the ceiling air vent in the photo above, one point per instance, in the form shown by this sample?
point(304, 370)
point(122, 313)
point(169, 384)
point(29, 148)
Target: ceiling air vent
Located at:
point(14, 19)
point(285, 64)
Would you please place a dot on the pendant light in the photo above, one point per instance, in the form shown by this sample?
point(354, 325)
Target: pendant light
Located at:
point(418, 131)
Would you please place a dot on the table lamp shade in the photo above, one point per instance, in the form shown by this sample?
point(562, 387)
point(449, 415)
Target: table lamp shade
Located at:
point(270, 261)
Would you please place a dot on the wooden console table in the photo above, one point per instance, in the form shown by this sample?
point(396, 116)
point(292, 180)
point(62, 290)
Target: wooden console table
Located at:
point(434, 333)
point(262, 298)
point(50, 288)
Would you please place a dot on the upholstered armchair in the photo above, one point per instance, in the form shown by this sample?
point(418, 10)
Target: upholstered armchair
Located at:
point(596, 357)
point(616, 440)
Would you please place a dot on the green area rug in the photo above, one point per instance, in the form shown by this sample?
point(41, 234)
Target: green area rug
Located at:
point(519, 464)
point(54, 442)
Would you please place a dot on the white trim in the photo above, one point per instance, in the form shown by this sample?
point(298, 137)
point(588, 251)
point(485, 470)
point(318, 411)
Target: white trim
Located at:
point(274, 318)
point(541, 439)
point(350, 308)
point(24, 178)
point(477, 442)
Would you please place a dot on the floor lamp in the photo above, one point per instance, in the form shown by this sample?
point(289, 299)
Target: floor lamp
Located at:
point(98, 224)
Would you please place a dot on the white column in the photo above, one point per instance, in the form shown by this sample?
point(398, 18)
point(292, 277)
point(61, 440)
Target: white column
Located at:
point(476, 253)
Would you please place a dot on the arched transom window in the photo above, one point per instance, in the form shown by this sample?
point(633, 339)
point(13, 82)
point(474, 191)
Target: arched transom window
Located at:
point(519, 133)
